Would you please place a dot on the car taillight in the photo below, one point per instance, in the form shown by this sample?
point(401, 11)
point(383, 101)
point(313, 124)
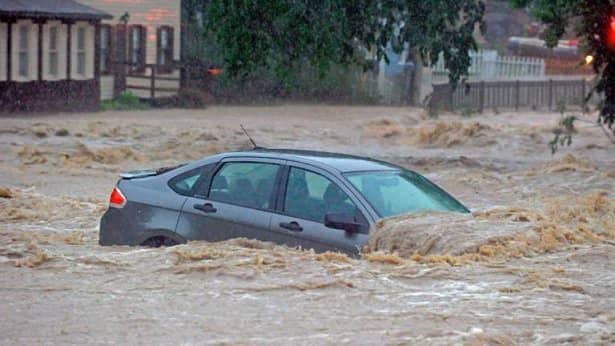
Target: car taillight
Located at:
point(117, 199)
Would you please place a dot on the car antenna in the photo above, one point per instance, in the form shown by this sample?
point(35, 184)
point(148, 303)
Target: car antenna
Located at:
point(254, 146)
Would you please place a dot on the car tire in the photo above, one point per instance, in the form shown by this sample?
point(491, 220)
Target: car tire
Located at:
point(159, 241)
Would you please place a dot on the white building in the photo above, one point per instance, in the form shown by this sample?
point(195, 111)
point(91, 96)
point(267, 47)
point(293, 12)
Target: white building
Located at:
point(68, 55)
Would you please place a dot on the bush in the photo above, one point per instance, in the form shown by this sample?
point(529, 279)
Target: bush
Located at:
point(185, 98)
point(302, 83)
point(126, 101)
point(191, 98)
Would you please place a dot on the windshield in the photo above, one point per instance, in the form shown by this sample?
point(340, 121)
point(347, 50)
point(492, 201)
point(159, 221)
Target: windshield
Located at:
point(400, 192)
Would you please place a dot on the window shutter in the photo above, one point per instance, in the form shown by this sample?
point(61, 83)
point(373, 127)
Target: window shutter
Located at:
point(73, 51)
point(158, 44)
point(165, 51)
point(45, 46)
point(3, 50)
point(111, 49)
point(89, 50)
point(105, 46)
point(62, 51)
point(130, 47)
point(33, 52)
point(171, 49)
point(143, 47)
point(114, 50)
point(159, 51)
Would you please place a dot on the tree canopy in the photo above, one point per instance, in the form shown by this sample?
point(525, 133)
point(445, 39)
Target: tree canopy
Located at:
point(280, 33)
point(593, 22)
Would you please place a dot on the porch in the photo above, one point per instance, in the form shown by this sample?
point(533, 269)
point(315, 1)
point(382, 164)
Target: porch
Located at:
point(49, 56)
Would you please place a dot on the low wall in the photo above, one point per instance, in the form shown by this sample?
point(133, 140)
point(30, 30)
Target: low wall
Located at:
point(52, 96)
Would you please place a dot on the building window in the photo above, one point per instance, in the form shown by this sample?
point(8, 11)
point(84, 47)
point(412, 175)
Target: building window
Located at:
point(81, 54)
point(105, 49)
point(24, 44)
point(137, 48)
point(53, 51)
point(165, 48)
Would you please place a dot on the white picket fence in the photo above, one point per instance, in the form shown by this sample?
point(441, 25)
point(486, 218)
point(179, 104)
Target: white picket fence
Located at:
point(488, 65)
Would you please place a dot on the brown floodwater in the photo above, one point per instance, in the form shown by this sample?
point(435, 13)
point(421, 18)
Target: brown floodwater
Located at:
point(533, 264)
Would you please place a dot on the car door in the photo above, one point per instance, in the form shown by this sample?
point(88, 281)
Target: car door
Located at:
point(237, 200)
point(308, 195)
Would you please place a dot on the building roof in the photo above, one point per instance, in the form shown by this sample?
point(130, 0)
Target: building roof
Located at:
point(61, 9)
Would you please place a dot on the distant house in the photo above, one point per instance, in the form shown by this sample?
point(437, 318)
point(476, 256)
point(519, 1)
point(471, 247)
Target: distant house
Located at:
point(49, 56)
point(151, 37)
point(67, 55)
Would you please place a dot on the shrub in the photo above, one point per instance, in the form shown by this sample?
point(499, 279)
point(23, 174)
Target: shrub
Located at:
point(126, 101)
point(191, 98)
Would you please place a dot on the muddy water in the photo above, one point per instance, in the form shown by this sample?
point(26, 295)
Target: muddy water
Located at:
point(535, 263)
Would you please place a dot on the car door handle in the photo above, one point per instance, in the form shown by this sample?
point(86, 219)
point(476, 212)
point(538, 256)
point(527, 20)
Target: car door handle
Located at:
point(291, 226)
point(206, 208)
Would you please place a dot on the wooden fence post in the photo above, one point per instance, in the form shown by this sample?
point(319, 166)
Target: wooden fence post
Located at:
point(481, 106)
point(152, 91)
point(550, 94)
point(517, 94)
point(583, 91)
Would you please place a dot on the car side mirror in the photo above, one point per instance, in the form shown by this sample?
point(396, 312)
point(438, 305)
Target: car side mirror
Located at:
point(342, 221)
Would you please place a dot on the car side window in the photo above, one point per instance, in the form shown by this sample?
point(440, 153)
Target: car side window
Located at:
point(184, 183)
point(311, 196)
point(248, 184)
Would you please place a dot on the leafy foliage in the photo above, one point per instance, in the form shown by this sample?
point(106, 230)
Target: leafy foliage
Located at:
point(340, 84)
point(283, 34)
point(296, 80)
point(591, 21)
point(563, 133)
point(190, 98)
point(126, 101)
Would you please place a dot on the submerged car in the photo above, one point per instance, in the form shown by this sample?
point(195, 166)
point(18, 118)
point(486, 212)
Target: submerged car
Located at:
point(314, 200)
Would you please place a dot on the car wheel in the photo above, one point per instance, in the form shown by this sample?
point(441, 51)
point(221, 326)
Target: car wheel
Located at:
point(159, 241)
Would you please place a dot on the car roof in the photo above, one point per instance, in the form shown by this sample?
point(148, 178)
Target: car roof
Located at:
point(339, 162)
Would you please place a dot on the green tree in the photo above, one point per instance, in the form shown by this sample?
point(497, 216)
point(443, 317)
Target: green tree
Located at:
point(592, 21)
point(281, 35)
point(278, 34)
